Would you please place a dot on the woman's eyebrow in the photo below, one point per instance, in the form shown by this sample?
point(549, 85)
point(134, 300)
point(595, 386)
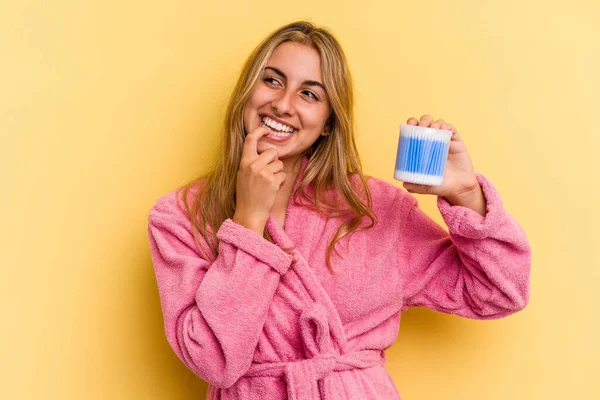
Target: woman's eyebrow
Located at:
point(307, 82)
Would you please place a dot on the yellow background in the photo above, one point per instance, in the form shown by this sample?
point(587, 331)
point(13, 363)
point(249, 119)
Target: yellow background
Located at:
point(107, 105)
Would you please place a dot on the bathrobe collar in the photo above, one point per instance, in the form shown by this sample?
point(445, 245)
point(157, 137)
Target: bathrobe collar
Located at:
point(300, 265)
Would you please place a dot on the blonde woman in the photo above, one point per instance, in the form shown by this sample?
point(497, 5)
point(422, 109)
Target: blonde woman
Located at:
point(283, 272)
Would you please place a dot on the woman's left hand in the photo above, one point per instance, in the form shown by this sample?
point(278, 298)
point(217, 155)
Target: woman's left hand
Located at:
point(459, 181)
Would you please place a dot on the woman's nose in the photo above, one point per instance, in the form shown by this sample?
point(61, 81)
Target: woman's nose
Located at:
point(283, 103)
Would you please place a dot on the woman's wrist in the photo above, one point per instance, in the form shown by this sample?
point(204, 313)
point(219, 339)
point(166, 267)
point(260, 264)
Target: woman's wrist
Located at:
point(251, 223)
point(473, 199)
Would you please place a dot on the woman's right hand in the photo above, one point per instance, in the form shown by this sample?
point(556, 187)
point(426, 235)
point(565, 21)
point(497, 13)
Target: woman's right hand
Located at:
point(259, 178)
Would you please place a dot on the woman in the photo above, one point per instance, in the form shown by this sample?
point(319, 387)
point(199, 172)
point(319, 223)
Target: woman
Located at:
point(282, 273)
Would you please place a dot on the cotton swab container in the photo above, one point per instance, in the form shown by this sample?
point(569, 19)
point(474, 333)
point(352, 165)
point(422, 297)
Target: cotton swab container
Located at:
point(422, 154)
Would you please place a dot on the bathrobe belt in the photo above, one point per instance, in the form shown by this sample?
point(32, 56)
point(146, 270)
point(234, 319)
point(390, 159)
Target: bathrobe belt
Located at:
point(302, 376)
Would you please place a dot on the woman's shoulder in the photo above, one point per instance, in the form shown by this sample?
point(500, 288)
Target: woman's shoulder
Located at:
point(172, 202)
point(169, 213)
point(384, 193)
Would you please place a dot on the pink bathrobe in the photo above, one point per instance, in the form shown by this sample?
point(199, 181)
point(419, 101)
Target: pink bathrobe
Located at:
point(259, 323)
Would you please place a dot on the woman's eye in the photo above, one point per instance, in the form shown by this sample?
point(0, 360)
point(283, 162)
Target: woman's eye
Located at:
point(311, 94)
point(270, 80)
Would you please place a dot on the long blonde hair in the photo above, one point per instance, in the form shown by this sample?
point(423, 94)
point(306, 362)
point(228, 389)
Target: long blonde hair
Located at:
point(333, 159)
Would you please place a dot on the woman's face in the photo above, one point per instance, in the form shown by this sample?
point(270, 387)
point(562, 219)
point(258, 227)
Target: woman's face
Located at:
point(289, 92)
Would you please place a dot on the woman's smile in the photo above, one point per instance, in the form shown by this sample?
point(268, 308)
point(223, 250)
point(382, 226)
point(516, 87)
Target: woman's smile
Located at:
point(280, 132)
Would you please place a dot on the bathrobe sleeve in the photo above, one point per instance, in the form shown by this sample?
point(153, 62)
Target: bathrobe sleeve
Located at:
point(479, 268)
point(213, 310)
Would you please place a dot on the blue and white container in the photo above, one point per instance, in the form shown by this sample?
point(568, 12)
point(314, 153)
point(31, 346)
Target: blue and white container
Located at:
point(422, 154)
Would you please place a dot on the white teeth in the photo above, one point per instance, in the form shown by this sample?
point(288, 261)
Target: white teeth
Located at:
point(275, 133)
point(284, 130)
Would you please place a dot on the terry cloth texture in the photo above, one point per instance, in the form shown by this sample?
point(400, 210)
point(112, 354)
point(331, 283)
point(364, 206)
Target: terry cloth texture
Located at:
point(258, 323)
